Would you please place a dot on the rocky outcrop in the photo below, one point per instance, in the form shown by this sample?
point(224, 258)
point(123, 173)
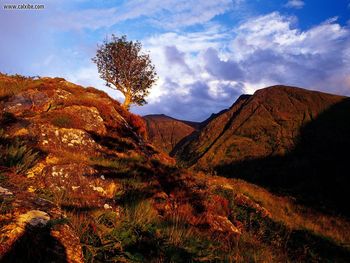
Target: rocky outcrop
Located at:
point(34, 229)
point(79, 179)
point(79, 140)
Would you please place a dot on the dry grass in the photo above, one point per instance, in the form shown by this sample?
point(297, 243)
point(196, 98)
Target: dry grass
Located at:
point(12, 85)
point(285, 210)
point(178, 231)
point(62, 157)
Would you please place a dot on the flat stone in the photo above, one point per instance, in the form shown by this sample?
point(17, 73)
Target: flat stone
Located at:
point(33, 218)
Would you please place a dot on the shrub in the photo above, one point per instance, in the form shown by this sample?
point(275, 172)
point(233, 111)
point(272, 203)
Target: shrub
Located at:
point(137, 232)
point(138, 124)
point(135, 121)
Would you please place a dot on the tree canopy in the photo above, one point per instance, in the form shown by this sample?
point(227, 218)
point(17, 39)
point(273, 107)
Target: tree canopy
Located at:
point(124, 67)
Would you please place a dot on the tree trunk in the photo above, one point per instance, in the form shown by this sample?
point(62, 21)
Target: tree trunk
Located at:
point(127, 101)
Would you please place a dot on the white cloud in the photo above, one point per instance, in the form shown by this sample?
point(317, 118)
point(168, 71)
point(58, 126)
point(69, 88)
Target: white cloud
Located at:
point(295, 4)
point(263, 51)
point(271, 49)
point(188, 89)
point(199, 72)
point(168, 14)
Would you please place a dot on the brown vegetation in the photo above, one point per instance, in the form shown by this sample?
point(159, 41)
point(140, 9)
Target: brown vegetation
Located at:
point(100, 190)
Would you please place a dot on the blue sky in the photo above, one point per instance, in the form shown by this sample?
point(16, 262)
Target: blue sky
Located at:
point(206, 52)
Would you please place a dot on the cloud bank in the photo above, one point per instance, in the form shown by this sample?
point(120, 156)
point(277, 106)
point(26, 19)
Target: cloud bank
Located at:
point(201, 74)
point(204, 58)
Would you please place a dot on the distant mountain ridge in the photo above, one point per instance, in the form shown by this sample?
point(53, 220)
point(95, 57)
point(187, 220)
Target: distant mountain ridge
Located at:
point(165, 132)
point(266, 123)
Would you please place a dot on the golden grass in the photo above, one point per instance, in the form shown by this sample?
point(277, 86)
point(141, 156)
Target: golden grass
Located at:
point(12, 85)
point(285, 210)
point(61, 157)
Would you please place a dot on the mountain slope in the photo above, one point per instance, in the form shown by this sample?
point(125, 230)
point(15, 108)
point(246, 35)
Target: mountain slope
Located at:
point(165, 132)
point(264, 124)
point(288, 139)
point(79, 183)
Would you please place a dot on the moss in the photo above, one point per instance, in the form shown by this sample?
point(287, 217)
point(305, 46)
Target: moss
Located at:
point(62, 121)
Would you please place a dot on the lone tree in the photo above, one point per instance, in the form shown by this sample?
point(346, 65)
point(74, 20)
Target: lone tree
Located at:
point(125, 68)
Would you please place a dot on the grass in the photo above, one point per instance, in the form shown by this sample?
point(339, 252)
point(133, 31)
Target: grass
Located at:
point(104, 238)
point(12, 85)
point(290, 228)
point(132, 166)
point(62, 121)
point(296, 216)
point(15, 154)
point(141, 235)
point(118, 165)
point(131, 192)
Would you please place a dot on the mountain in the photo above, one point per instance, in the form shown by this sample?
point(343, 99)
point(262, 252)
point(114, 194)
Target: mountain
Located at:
point(288, 139)
point(79, 182)
point(165, 132)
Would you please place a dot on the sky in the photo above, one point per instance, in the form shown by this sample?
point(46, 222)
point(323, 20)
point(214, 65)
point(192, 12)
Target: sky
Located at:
point(206, 52)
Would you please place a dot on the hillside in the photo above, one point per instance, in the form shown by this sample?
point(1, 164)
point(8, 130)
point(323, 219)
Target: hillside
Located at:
point(80, 183)
point(287, 139)
point(165, 132)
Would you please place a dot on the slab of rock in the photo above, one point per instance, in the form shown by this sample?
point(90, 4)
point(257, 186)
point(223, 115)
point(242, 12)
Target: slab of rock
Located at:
point(87, 118)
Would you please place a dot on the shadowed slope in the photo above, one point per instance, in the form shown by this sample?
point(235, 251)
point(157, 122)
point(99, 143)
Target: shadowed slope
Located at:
point(165, 132)
point(315, 171)
point(264, 124)
point(288, 139)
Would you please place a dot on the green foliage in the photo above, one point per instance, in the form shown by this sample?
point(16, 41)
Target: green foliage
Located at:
point(138, 240)
point(184, 243)
point(122, 64)
point(140, 235)
point(15, 154)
